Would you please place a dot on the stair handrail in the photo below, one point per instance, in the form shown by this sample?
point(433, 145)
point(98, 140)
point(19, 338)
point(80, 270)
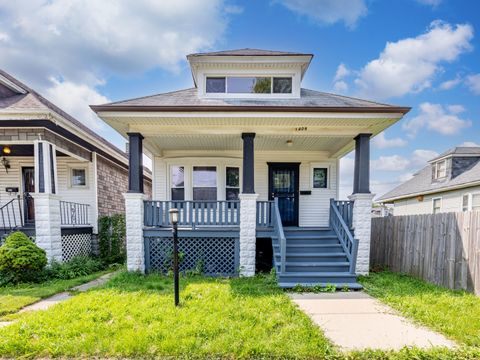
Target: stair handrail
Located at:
point(7, 213)
point(278, 229)
point(344, 234)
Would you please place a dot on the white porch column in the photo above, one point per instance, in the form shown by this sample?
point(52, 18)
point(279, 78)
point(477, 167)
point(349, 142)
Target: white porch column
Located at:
point(47, 203)
point(134, 231)
point(248, 219)
point(362, 222)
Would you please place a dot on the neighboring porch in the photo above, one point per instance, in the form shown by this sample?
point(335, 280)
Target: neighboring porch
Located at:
point(47, 192)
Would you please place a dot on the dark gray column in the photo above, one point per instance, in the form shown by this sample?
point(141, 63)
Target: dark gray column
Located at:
point(248, 163)
point(361, 176)
point(135, 163)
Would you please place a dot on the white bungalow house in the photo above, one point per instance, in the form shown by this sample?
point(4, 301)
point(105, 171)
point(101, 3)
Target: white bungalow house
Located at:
point(57, 176)
point(250, 159)
point(449, 182)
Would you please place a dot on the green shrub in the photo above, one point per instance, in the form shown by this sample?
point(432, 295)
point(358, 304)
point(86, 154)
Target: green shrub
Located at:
point(20, 259)
point(111, 236)
point(78, 266)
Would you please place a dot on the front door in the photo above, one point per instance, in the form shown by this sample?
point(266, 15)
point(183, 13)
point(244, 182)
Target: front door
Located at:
point(283, 183)
point(28, 179)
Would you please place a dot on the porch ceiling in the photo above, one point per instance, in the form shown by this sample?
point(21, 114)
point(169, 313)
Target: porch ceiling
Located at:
point(333, 133)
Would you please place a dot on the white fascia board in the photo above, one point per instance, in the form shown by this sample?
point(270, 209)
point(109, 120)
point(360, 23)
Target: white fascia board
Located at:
point(11, 85)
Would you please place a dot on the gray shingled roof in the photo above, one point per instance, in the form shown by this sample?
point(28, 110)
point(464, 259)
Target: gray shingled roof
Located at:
point(422, 181)
point(249, 52)
point(189, 97)
point(459, 151)
point(33, 100)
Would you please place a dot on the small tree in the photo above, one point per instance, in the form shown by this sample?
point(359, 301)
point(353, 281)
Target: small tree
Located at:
point(21, 258)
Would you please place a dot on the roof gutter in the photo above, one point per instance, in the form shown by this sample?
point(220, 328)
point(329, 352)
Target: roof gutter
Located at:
point(408, 196)
point(125, 108)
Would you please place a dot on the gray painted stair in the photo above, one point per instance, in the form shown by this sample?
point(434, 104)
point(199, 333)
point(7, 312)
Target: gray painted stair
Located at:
point(314, 257)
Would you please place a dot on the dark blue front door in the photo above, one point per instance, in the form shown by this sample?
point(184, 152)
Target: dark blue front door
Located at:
point(283, 184)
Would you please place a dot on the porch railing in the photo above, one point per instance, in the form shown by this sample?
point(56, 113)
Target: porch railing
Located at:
point(74, 214)
point(11, 217)
point(278, 230)
point(343, 230)
point(265, 211)
point(192, 213)
point(345, 208)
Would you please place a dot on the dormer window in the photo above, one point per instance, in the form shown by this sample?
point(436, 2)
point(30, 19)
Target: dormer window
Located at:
point(440, 169)
point(248, 85)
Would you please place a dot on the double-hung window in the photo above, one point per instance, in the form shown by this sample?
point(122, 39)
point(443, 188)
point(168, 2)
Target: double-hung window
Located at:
point(232, 188)
point(178, 182)
point(78, 177)
point(204, 183)
point(476, 201)
point(465, 201)
point(437, 205)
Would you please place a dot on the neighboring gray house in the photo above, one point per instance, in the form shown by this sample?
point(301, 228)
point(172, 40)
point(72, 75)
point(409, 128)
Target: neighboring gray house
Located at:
point(450, 182)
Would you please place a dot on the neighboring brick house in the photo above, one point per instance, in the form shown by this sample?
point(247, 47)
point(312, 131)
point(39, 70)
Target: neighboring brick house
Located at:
point(56, 175)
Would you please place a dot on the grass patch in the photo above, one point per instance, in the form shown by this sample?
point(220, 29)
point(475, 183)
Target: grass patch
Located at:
point(14, 297)
point(456, 314)
point(134, 315)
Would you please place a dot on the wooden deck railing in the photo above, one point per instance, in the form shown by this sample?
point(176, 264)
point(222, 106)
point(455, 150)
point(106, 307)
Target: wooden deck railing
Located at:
point(192, 213)
point(278, 230)
point(265, 211)
point(339, 224)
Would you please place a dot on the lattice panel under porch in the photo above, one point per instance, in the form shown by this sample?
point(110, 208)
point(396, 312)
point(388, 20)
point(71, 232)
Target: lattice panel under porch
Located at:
point(76, 245)
point(215, 256)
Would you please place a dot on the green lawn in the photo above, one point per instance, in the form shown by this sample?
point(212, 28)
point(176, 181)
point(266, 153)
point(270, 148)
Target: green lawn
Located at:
point(134, 315)
point(13, 298)
point(456, 314)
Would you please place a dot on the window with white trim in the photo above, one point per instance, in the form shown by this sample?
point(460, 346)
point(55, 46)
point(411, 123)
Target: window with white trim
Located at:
point(437, 205)
point(232, 183)
point(320, 178)
point(248, 85)
point(204, 183)
point(440, 169)
point(78, 177)
point(476, 201)
point(465, 202)
point(178, 182)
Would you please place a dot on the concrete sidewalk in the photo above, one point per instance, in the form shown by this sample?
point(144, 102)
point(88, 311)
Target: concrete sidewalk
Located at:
point(356, 321)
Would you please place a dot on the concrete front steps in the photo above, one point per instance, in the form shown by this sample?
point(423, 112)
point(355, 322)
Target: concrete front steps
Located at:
point(314, 257)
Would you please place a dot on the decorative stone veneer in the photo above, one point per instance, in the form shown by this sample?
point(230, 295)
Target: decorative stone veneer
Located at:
point(112, 183)
point(248, 219)
point(47, 225)
point(134, 225)
point(362, 223)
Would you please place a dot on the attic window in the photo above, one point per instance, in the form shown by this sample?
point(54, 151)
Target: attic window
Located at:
point(248, 85)
point(440, 169)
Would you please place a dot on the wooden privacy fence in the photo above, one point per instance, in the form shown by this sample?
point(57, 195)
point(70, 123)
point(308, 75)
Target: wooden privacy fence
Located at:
point(443, 249)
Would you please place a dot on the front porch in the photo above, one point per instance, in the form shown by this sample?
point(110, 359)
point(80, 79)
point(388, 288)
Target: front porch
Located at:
point(315, 239)
point(47, 191)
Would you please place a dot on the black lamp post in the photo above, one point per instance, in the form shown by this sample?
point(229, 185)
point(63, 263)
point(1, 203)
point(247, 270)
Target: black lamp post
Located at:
point(174, 220)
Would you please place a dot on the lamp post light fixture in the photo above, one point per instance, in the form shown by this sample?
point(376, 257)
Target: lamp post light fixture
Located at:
point(174, 220)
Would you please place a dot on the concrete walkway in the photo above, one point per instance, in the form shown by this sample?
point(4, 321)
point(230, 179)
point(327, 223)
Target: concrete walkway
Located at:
point(356, 321)
point(57, 298)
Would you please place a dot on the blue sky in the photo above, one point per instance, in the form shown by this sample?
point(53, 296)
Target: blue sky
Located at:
point(418, 53)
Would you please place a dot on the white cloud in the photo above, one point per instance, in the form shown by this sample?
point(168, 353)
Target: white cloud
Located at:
point(82, 42)
point(433, 3)
point(420, 157)
point(340, 87)
point(390, 163)
point(435, 117)
point(75, 99)
point(381, 142)
point(470, 144)
point(409, 65)
point(328, 12)
point(342, 72)
point(450, 84)
point(473, 83)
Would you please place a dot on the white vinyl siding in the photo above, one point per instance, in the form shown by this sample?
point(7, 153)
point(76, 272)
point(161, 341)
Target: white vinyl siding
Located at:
point(83, 195)
point(452, 201)
point(313, 209)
